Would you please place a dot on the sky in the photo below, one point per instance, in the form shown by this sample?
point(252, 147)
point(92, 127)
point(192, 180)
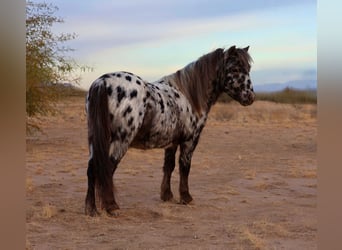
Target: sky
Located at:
point(155, 38)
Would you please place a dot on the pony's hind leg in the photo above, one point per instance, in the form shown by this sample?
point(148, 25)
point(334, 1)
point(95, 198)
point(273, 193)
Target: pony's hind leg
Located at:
point(90, 205)
point(108, 198)
point(169, 166)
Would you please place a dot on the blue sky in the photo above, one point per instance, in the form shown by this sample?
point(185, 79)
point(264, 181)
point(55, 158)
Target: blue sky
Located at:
point(155, 38)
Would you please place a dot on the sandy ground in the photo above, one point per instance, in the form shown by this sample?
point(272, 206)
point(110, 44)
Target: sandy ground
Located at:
point(253, 180)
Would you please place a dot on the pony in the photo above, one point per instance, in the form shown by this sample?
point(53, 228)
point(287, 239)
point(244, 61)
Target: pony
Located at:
point(123, 111)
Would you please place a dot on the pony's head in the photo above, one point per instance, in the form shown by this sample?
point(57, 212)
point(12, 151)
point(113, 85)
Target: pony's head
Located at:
point(235, 75)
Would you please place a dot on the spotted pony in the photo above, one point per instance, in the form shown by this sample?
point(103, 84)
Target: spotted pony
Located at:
point(125, 111)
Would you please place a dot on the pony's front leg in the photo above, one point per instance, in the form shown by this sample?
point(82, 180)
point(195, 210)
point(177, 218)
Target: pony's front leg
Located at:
point(184, 170)
point(169, 166)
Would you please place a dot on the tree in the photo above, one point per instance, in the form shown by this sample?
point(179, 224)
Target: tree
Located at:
point(47, 63)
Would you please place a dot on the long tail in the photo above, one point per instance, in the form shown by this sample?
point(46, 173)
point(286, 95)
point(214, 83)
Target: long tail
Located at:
point(99, 136)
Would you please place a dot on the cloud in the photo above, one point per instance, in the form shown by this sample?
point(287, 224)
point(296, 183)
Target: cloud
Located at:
point(154, 38)
point(98, 36)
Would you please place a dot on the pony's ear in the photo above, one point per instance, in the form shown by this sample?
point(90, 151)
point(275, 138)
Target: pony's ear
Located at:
point(246, 49)
point(231, 49)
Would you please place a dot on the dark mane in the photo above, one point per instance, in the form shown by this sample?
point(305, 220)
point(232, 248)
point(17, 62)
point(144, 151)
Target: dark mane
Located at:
point(195, 80)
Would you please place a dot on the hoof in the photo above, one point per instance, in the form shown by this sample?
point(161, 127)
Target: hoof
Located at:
point(185, 198)
point(112, 210)
point(91, 212)
point(166, 196)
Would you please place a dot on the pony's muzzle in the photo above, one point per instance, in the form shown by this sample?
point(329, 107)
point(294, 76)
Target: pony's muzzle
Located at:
point(247, 98)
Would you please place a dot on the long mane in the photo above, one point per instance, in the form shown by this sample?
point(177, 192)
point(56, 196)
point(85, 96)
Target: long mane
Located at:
point(195, 79)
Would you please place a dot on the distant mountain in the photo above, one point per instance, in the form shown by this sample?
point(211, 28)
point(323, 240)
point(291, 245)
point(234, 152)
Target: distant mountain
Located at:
point(298, 84)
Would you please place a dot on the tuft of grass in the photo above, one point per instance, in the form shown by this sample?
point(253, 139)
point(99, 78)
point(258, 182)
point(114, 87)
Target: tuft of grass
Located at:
point(29, 184)
point(296, 172)
point(49, 211)
point(251, 239)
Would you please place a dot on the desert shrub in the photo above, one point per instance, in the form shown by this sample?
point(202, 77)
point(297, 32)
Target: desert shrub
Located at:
point(47, 62)
point(288, 95)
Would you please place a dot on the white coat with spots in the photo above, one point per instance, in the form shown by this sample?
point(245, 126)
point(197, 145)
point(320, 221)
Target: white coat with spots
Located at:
point(125, 111)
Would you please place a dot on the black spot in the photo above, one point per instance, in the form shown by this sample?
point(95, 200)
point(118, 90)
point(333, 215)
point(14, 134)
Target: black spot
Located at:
point(123, 135)
point(121, 93)
point(140, 113)
point(148, 94)
point(162, 81)
point(127, 111)
point(133, 94)
point(113, 136)
point(128, 78)
point(105, 76)
point(127, 73)
point(138, 82)
point(130, 121)
point(109, 90)
point(111, 117)
point(176, 95)
point(118, 75)
point(161, 105)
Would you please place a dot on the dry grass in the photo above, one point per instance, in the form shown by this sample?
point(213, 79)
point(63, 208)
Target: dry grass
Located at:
point(29, 184)
point(252, 240)
point(250, 174)
point(49, 211)
point(263, 112)
point(296, 172)
point(39, 171)
point(269, 229)
point(255, 235)
point(232, 191)
point(287, 95)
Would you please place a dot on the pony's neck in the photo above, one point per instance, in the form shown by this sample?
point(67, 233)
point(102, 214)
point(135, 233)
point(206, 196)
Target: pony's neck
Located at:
point(198, 81)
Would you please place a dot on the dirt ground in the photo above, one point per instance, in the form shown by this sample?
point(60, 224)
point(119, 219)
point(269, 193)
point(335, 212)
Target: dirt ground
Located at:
point(253, 180)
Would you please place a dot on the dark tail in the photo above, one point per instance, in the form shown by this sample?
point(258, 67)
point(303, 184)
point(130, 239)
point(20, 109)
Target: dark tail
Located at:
point(99, 137)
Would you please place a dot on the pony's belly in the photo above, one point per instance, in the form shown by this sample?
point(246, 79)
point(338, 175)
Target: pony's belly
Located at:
point(150, 142)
